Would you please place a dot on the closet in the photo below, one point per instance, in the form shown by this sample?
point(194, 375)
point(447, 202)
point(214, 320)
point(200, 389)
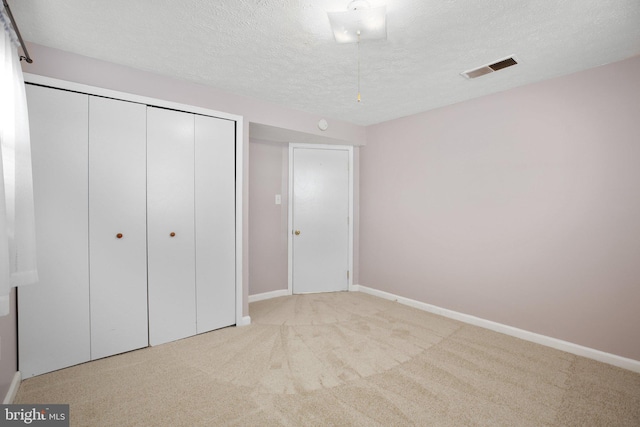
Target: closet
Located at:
point(190, 187)
point(171, 224)
point(117, 226)
point(53, 315)
point(135, 222)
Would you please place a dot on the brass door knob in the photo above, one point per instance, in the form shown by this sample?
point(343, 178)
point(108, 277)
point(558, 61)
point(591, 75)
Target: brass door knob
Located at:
point(172, 234)
point(119, 235)
point(297, 232)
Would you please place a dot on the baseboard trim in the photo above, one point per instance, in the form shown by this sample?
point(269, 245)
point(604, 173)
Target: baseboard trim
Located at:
point(13, 389)
point(601, 356)
point(268, 295)
point(246, 320)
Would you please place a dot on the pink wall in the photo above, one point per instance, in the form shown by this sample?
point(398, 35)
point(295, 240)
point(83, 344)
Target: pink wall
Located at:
point(521, 207)
point(268, 222)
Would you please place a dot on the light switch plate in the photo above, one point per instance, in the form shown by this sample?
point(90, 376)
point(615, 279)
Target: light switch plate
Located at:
point(278, 199)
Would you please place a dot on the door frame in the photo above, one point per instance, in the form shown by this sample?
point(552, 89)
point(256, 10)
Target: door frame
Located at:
point(349, 149)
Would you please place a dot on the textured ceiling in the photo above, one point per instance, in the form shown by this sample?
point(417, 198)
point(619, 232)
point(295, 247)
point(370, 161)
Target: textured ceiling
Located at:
point(283, 50)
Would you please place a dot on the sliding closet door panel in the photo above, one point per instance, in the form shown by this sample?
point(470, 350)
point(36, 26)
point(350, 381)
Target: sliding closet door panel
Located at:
point(117, 226)
point(53, 315)
point(215, 222)
point(170, 215)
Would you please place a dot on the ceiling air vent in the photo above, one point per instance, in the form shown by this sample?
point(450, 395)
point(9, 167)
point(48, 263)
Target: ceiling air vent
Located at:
point(490, 68)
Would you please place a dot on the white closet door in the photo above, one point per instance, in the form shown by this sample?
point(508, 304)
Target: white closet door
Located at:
point(170, 222)
point(53, 315)
point(215, 222)
point(117, 226)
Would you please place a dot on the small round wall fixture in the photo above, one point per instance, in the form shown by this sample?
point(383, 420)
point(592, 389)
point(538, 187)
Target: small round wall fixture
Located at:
point(323, 125)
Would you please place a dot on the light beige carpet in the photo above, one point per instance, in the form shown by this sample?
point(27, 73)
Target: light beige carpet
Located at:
point(343, 359)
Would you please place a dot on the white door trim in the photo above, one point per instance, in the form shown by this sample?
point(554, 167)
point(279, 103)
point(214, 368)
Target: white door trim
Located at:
point(349, 149)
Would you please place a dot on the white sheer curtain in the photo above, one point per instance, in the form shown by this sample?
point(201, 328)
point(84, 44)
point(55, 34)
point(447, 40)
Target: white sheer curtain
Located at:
point(17, 226)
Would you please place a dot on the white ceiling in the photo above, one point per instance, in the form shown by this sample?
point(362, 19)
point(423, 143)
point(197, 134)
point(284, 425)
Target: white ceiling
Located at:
point(283, 50)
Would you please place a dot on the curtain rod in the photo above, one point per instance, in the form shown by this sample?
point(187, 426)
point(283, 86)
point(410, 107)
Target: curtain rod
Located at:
point(26, 56)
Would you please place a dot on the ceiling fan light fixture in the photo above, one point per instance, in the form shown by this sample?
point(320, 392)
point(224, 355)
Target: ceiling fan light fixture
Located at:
point(359, 22)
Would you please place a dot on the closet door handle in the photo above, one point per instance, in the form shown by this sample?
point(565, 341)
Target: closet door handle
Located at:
point(172, 234)
point(119, 235)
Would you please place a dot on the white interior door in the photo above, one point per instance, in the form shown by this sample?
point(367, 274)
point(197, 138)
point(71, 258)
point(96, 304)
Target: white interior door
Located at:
point(53, 315)
point(170, 225)
point(117, 226)
point(215, 222)
point(320, 210)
